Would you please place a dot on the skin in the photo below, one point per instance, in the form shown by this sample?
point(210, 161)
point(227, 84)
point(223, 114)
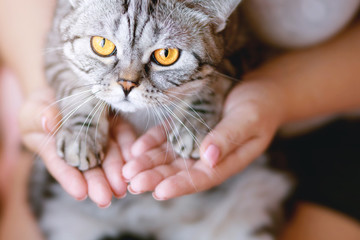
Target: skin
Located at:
point(294, 77)
point(15, 167)
point(325, 224)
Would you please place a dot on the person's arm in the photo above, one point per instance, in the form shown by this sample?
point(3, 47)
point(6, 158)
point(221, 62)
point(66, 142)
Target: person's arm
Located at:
point(317, 81)
point(23, 28)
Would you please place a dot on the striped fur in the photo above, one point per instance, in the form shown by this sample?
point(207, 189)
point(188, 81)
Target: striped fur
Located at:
point(137, 28)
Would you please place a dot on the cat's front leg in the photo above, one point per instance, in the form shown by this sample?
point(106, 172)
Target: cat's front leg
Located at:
point(83, 135)
point(195, 117)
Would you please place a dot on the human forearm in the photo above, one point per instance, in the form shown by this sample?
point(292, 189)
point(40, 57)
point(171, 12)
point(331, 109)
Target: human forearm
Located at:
point(23, 27)
point(316, 81)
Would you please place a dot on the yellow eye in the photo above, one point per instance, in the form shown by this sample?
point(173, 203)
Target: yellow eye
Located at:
point(102, 46)
point(166, 56)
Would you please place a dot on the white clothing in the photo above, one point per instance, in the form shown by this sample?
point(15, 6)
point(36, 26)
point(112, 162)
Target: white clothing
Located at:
point(299, 23)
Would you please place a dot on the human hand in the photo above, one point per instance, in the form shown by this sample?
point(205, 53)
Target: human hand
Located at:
point(39, 120)
point(251, 116)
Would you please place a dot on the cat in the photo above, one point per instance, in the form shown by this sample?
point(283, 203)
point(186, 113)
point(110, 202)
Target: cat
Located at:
point(167, 60)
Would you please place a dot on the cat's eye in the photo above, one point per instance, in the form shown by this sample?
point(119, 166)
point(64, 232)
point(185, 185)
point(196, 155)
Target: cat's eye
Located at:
point(166, 56)
point(102, 46)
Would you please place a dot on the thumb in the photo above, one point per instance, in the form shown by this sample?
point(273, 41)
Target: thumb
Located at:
point(230, 133)
point(39, 116)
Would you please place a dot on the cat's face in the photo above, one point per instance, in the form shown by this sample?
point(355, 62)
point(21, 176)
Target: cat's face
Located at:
point(140, 53)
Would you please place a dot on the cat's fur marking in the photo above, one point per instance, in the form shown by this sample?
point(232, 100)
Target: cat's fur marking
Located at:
point(143, 27)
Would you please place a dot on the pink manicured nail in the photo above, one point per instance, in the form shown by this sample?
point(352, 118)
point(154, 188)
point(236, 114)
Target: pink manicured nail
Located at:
point(157, 198)
point(82, 199)
point(105, 206)
point(132, 191)
point(126, 180)
point(44, 124)
point(212, 155)
point(121, 196)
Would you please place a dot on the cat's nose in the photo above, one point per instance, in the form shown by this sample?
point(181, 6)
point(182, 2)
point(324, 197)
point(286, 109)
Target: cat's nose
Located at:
point(127, 85)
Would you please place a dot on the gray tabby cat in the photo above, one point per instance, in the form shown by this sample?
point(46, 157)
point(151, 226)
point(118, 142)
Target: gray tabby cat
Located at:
point(138, 57)
point(146, 58)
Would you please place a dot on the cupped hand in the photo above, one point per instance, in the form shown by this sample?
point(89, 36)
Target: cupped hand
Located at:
point(252, 114)
point(39, 120)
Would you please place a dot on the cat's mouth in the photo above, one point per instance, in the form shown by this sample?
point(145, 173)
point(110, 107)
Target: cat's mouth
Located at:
point(118, 101)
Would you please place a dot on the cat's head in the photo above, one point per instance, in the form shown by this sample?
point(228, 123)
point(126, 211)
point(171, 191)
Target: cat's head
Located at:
point(140, 53)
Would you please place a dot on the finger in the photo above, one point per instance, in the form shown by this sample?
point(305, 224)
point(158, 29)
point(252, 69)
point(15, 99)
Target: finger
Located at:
point(10, 103)
point(149, 160)
point(68, 177)
point(112, 166)
point(155, 137)
point(39, 114)
point(98, 188)
point(195, 179)
point(229, 134)
point(125, 137)
point(148, 180)
point(201, 177)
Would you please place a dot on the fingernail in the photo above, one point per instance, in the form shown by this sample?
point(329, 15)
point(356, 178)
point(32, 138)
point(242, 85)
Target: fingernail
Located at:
point(121, 196)
point(157, 198)
point(82, 199)
point(44, 124)
point(104, 206)
point(126, 180)
point(212, 155)
point(124, 174)
point(132, 191)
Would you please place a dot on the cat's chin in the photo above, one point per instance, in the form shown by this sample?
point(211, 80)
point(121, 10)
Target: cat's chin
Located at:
point(125, 106)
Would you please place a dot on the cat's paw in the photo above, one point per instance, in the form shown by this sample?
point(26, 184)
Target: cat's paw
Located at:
point(79, 150)
point(186, 137)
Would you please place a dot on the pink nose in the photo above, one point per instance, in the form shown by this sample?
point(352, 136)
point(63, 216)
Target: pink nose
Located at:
point(127, 86)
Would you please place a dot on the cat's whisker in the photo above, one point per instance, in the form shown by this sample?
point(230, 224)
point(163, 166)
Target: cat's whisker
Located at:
point(98, 106)
point(173, 114)
point(51, 50)
point(186, 113)
point(84, 86)
point(178, 93)
point(148, 118)
point(87, 122)
point(73, 104)
point(69, 115)
point(197, 117)
point(103, 106)
point(180, 110)
point(236, 80)
point(179, 139)
point(59, 126)
point(65, 99)
point(166, 127)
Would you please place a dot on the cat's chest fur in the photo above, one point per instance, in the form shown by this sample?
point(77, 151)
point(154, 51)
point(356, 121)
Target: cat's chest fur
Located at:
point(141, 120)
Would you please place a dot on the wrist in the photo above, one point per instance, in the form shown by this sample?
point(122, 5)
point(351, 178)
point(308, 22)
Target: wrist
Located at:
point(271, 95)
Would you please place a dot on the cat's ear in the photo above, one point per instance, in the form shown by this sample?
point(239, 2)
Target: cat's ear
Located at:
point(220, 10)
